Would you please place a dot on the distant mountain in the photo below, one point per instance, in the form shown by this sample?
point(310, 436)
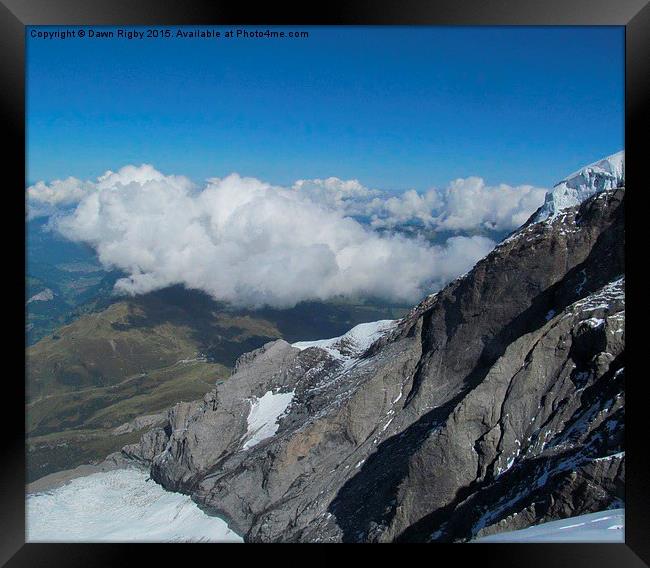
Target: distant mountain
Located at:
point(495, 404)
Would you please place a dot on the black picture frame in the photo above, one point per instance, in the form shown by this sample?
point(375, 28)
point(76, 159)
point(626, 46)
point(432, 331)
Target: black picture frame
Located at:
point(17, 14)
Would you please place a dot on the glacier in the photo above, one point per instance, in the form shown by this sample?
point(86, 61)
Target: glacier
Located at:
point(603, 526)
point(120, 506)
point(608, 173)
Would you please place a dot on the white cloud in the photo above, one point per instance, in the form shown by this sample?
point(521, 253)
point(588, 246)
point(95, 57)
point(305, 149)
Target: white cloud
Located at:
point(47, 199)
point(409, 206)
point(250, 243)
point(59, 192)
point(469, 203)
point(466, 204)
point(347, 196)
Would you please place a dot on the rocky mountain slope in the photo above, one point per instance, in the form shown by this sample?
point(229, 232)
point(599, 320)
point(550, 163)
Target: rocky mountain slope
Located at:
point(495, 404)
point(139, 356)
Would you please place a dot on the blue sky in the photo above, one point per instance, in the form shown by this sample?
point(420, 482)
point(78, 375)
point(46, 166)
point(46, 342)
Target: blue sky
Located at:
point(395, 107)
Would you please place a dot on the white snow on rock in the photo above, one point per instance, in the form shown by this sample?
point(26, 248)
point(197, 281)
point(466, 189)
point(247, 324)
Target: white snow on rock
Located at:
point(43, 296)
point(264, 415)
point(608, 173)
point(120, 506)
point(604, 526)
point(618, 455)
point(353, 343)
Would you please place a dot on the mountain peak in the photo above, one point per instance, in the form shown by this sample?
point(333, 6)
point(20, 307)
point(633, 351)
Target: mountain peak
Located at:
point(607, 173)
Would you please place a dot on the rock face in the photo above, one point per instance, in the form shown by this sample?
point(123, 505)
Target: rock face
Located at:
point(140, 423)
point(494, 404)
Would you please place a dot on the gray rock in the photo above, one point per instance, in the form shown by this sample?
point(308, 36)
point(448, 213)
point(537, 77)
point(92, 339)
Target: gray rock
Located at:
point(140, 423)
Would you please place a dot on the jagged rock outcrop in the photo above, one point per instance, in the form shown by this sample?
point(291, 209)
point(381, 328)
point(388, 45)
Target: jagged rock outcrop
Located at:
point(495, 404)
point(140, 423)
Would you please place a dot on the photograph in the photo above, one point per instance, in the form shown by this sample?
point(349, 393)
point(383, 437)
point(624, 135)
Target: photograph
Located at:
point(307, 283)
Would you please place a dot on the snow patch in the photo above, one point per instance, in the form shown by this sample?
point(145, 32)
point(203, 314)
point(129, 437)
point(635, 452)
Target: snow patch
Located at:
point(595, 322)
point(353, 343)
point(264, 415)
point(43, 296)
point(619, 455)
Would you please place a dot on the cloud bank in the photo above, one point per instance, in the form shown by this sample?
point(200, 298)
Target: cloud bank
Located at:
point(470, 203)
point(465, 204)
point(250, 243)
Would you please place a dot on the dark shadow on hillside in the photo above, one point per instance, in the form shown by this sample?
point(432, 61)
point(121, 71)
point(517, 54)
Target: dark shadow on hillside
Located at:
point(223, 343)
point(473, 500)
